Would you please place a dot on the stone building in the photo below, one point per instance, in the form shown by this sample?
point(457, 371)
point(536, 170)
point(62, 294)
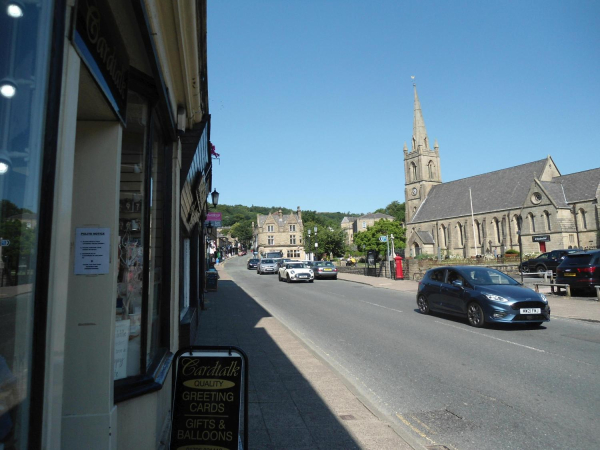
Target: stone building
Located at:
point(279, 232)
point(353, 225)
point(348, 227)
point(484, 214)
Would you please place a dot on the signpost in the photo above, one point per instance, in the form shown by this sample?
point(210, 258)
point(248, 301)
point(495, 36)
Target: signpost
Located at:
point(208, 386)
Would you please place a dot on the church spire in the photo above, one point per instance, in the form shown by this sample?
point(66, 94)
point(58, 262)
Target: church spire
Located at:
point(419, 138)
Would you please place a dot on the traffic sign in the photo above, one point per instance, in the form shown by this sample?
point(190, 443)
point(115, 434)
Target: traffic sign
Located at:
point(383, 238)
point(5, 242)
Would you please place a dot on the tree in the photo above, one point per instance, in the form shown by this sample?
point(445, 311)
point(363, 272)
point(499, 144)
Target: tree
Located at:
point(330, 240)
point(369, 240)
point(242, 231)
point(395, 209)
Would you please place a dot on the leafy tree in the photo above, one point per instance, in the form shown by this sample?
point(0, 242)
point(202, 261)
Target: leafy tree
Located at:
point(330, 240)
point(395, 209)
point(369, 240)
point(242, 231)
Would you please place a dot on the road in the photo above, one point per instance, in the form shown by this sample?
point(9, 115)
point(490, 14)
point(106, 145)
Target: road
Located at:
point(443, 381)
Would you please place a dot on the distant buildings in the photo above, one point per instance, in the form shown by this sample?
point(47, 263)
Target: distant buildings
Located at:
point(353, 225)
point(279, 232)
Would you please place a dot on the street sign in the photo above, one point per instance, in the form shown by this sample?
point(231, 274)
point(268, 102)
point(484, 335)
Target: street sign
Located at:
point(5, 242)
point(383, 238)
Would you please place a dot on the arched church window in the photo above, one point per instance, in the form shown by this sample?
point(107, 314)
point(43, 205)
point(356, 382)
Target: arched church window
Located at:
point(430, 170)
point(582, 219)
point(478, 231)
point(531, 222)
point(497, 231)
point(413, 170)
point(547, 221)
point(461, 236)
point(443, 237)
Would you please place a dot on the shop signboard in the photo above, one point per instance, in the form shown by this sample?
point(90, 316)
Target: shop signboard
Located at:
point(214, 219)
point(103, 51)
point(210, 399)
point(541, 238)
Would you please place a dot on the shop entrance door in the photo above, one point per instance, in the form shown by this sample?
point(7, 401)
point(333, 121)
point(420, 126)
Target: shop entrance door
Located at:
point(542, 247)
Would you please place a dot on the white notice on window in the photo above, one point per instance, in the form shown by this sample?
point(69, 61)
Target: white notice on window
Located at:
point(92, 247)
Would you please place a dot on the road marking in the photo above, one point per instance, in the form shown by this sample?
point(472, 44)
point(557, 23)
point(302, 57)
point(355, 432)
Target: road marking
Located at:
point(492, 337)
point(415, 429)
point(381, 306)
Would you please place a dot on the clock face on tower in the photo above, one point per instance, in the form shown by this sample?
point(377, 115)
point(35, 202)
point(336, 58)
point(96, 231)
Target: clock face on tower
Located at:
point(414, 191)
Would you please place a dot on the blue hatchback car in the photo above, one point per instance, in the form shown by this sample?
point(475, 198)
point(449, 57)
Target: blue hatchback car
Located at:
point(482, 295)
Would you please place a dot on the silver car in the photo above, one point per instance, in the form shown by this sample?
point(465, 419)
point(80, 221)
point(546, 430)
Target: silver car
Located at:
point(266, 266)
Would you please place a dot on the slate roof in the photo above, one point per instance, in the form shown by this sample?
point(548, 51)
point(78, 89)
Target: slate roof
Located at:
point(376, 216)
point(580, 186)
point(283, 219)
point(493, 191)
point(426, 237)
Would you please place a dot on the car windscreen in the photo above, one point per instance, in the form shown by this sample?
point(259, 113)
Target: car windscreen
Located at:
point(480, 276)
point(253, 260)
point(267, 261)
point(578, 260)
point(295, 266)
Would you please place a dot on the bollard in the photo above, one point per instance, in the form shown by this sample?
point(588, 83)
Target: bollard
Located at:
point(399, 271)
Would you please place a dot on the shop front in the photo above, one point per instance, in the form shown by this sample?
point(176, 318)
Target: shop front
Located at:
point(97, 102)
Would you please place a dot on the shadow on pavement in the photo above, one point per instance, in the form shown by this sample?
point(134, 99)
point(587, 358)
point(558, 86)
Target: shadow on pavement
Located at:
point(287, 384)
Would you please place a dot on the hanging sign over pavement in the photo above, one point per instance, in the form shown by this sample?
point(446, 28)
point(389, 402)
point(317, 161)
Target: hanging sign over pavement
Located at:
point(207, 397)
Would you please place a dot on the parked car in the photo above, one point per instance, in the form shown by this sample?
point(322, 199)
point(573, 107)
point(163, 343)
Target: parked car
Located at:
point(282, 261)
point(581, 271)
point(296, 271)
point(252, 263)
point(324, 269)
point(266, 265)
point(482, 295)
point(546, 261)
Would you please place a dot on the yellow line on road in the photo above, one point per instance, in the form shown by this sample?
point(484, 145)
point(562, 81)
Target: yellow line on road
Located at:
point(415, 429)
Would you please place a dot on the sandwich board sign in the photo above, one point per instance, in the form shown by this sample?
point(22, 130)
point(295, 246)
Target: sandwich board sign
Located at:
point(210, 399)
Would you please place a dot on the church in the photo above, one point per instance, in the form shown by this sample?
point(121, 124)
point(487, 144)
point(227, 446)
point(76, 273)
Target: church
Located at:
point(484, 215)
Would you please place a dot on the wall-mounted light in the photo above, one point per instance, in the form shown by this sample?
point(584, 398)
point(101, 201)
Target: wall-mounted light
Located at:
point(5, 162)
point(215, 198)
point(14, 10)
point(8, 89)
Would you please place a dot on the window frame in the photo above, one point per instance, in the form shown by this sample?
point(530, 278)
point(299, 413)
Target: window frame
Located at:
point(153, 374)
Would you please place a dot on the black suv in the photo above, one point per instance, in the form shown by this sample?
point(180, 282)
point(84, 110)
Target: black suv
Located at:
point(580, 270)
point(546, 261)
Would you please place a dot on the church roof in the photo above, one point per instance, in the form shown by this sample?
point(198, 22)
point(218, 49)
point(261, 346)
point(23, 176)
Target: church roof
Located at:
point(493, 191)
point(580, 186)
point(426, 237)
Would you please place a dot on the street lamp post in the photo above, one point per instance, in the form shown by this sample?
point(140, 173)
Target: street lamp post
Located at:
point(308, 246)
point(316, 244)
point(519, 224)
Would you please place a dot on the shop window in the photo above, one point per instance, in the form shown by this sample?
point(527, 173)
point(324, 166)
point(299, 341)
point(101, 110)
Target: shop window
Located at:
point(293, 253)
point(26, 38)
point(141, 306)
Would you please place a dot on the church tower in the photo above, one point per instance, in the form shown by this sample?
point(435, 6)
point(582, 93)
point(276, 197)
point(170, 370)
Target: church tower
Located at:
point(421, 165)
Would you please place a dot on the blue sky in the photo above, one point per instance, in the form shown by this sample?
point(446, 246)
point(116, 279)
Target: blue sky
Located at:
point(312, 100)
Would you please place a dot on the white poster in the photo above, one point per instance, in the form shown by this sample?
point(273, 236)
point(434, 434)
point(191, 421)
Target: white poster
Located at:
point(92, 247)
point(121, 347)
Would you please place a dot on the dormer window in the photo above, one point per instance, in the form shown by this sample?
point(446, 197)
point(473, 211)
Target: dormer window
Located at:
point(270, 228)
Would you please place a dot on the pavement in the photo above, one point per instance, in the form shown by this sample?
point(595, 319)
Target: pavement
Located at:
point(296, 400)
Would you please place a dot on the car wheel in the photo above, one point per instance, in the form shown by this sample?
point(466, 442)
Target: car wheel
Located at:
point(279, 275)
point(288, 279)
point(335, 278)
point(423, 305)
point(310, 281)
point(525, 268)
point(540, 269)
point(475, 315)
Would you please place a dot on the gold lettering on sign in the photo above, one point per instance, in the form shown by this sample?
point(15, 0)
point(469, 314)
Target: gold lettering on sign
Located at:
point(191, 367)
point(107, 54)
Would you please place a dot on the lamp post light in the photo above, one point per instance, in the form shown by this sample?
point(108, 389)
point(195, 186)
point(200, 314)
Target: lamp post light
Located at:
point(214, 197)
point(519, 224)
point(316, 244)
point(309, 247)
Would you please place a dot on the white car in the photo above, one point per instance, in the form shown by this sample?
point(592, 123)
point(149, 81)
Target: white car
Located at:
point(296, 271)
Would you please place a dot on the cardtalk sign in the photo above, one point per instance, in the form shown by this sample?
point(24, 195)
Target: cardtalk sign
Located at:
point(208, 387)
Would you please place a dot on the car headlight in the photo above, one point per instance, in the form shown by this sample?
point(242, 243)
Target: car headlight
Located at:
point(310, 271)
point(543, 297)
point(496, 298)
point(292, 272)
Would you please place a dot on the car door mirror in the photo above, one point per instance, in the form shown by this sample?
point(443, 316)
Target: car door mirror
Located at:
point(457, 283)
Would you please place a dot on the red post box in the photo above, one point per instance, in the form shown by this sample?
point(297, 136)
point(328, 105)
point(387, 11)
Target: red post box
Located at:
point(399, 271)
